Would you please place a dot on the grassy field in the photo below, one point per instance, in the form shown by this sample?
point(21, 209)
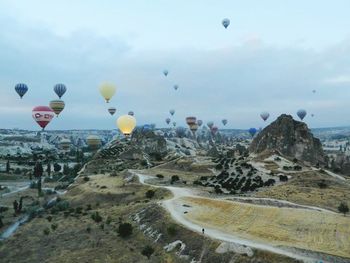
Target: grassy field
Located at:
point(303, 189)
point(306, 229)
point(78, 238)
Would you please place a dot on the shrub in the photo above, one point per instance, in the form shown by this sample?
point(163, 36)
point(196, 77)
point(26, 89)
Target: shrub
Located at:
point(46, 231)
point(109, 220)
point(49, 218)
point(343, 208)
point(113, 174)
point(160, 176)
point(147, 251)
point(174, 178)
point(88, 207)
point(322, 184)
point(54, 226)
point(172, 230)
point(96, 217)
point(150, 194)
point(283, 178)
point(125, 229)
point(88, 229)
point(86, 178)
point(79, 210)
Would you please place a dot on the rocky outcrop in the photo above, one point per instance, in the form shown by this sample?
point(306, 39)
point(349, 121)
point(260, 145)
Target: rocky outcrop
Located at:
point(289, 138)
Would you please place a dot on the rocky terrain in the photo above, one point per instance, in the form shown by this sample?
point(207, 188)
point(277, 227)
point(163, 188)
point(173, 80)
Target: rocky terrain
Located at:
point(289, 138)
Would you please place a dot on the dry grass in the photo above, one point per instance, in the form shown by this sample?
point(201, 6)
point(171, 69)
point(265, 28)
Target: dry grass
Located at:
point(303, 189)
point(305, 229)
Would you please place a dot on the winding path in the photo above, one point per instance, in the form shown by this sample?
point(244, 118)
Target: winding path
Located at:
point(178, 215)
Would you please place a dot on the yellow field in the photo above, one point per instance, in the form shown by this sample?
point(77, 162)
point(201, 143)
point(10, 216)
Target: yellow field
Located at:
point(306, 229)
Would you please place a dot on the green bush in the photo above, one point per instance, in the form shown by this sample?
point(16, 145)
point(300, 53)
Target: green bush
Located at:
point(49, 218)
point(54, 226)
point(46, 231)
point(86, 178)
point(150, 194)
point(125, 229)
point(172, 230)
point(96, 217)
point(147, 251)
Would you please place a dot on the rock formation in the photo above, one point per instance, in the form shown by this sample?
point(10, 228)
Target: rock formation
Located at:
point(289, 138)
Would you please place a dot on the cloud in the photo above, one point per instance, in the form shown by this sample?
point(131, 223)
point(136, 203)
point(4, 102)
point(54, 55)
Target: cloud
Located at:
point(236, 82)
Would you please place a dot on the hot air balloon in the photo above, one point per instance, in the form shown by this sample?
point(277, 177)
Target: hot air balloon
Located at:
point(314, 91)
point(126, 124)
point(214, 130)
point(93, 141)
point(112, 110)
point(312, 115)
point(199, 122)
point(193, 127)
point(174, 124)
point(301, 114)
point(180, 132)
point(21, 89)
point(57, 106)
point(60, 89)
point(65, 144)
point(210, 124)
point(191, 120)
point(224, 122)
point(252, 132)
point(107, 90)
point(225, 22)
point(167, 120)
point(165, 72)
point(265, 115)
point(172, 112)
point(176, 87)
point(131, 113)
point(42, 115)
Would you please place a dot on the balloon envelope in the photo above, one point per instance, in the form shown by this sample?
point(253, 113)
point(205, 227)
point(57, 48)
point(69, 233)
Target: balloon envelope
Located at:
point(112, 110)
point(107, 91)
point(21, 89)
point(65, 144)
point(93, 141)
point(191, 120)
point(167, 120)
point(60, 89)
point(42, 115)
point(176, 87)
point(224, 122)
point(131, 113)
point(199, 122)
point(172, 112)
point(210, 124)
point(225, 22)
point(252, 131)
point(165, 72)
point(57, 106)
point(265, 115)
point(301, 114)
point(126, 124)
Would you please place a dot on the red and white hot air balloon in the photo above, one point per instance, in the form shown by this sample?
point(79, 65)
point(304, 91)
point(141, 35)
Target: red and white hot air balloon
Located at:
point(42, 115)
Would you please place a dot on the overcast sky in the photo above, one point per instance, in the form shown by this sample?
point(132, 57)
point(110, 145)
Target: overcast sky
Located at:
point(270, 59)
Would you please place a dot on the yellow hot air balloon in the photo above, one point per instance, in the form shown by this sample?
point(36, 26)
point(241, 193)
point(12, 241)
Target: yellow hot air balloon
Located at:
point(126, 124)
point(57, 106)
point(93, 141)
point(107, 90)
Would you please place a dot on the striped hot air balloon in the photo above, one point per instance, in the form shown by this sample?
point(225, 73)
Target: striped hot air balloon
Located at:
point(112, 110)
point(93, 141)
point(57, 106)
point(265, 115)
point(42, 115)
point(60, 89)
point(21, 89)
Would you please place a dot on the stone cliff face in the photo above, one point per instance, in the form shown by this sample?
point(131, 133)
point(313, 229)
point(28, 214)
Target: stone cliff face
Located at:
point(290, 138)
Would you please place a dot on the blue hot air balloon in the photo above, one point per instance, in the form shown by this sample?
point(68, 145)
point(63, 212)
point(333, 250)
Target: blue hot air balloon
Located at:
point(165, 72)
point(301, 114)
point(226, 22)
point(60, 89)
point(21, 89)
point(252, 132)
